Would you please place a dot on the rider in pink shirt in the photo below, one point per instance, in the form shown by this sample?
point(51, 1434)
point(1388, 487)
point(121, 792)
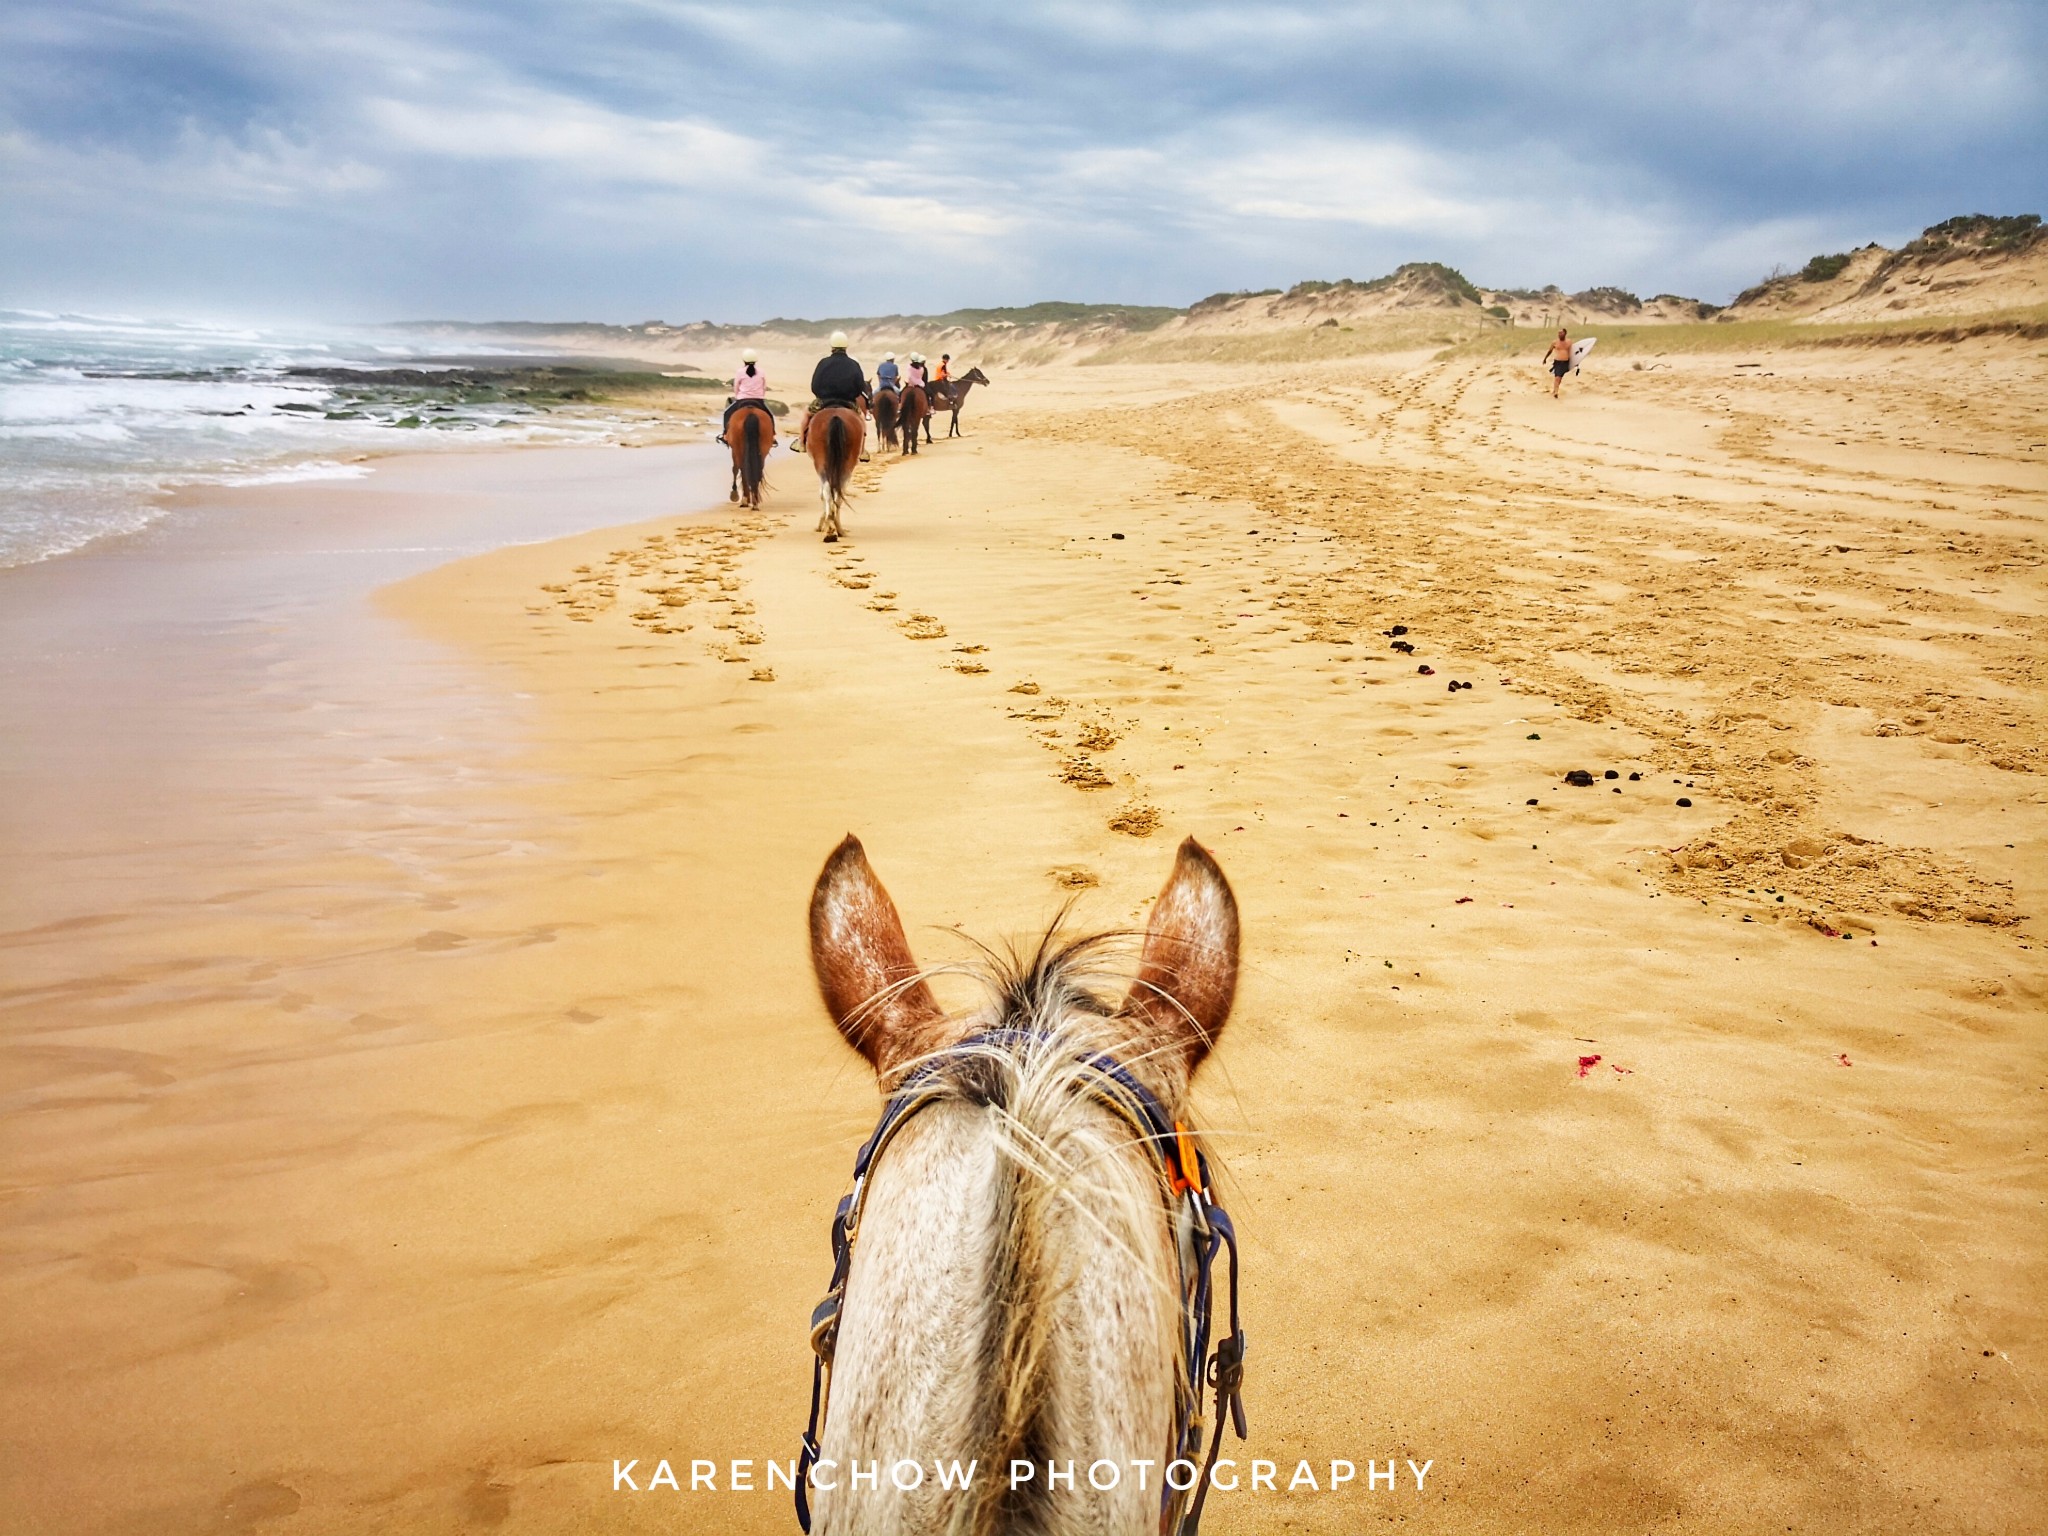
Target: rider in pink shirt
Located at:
point(750, 383)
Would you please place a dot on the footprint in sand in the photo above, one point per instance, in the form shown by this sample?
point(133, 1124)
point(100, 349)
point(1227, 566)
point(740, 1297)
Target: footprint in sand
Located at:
point(487, 1502)
point(253, 1503)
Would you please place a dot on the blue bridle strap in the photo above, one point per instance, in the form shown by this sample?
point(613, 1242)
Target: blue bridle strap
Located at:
point(1170, 1147)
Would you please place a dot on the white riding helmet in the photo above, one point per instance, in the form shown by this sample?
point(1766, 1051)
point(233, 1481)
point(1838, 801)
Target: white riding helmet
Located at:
point(890, 358)
point(839, 341)
point(748, 356)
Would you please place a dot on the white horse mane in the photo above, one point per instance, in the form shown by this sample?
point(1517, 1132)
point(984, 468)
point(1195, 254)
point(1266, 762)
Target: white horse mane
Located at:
point(1015, 1292)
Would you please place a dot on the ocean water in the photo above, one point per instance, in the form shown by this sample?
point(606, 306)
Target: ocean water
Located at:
point(101, 415)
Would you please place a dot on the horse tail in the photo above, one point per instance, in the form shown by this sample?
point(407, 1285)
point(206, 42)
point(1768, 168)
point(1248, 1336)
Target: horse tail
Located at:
point(750, 465)
point(837, 460)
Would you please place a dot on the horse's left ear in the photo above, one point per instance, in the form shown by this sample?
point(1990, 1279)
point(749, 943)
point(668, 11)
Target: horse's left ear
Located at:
point(1187, 974)
point(869, 978)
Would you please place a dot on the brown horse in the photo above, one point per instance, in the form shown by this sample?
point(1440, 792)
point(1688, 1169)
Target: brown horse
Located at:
point(914, 410)
point(951, 395)
point(750, 434)
point(885, 417)
point(834, 437)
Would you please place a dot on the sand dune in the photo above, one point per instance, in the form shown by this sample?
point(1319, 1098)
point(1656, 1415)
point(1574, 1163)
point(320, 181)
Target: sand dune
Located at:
point(1967, 269)
point(1652, 1152)
point(1965, 266)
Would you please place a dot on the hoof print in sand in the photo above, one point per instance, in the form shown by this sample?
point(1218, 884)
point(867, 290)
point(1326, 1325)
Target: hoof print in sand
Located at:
point(1136, 820)
point(1083, 773)
point(923, 626)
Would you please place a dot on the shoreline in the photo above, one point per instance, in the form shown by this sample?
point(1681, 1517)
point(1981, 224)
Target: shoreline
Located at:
point(131, 499)
point(413, 1180)
point(166, 660)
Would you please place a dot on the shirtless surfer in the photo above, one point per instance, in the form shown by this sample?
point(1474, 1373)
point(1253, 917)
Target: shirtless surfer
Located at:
point(1560, 359)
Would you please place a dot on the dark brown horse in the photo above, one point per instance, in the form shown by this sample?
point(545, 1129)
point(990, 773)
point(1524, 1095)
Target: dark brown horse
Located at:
point(951, 395)
point(750, 434)
point(912, 413)
point(834, 438)
point(885, 417)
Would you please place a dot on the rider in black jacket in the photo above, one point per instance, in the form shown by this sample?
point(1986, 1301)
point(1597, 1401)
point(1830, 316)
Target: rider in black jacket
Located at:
point(837, 380)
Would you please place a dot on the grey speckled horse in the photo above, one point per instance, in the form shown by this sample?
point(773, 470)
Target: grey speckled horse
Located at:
point(1018, 1289)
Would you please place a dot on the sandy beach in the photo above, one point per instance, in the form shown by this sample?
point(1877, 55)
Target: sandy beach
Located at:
point(398, 1142)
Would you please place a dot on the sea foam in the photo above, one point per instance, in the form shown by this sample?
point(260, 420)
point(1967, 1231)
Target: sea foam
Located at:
point(100, 415)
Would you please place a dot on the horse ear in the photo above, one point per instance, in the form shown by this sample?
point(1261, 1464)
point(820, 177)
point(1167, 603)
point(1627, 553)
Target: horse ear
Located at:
point(1187, 973)
point(870, 980)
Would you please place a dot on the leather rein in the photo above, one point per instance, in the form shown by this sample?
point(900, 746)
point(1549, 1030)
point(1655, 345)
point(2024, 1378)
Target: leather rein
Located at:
point(1202, 1231)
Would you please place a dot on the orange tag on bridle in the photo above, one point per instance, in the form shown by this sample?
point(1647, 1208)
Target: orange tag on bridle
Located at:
point(1187, 1173)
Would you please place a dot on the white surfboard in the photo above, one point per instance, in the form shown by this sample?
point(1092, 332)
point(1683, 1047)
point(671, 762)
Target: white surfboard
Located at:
point(1580, 348)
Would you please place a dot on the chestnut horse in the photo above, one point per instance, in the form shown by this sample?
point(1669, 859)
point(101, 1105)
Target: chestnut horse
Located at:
point(952, 394)
point(913, 410)
point(750, 434)
point(834, 438)
point(885, 417)
point(1022, 1273)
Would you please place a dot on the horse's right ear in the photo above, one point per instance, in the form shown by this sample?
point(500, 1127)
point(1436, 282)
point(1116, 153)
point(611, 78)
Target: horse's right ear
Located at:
point(1187, 972)
point(870, 980)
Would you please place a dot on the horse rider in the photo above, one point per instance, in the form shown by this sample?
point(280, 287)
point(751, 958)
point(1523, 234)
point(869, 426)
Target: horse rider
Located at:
point(942, 377)
point(749, 386)
point(889, 377)
point(837, 380)
point(916, 374)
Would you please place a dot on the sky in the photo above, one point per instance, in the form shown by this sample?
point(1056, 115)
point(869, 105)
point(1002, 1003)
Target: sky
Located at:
point(626, 160)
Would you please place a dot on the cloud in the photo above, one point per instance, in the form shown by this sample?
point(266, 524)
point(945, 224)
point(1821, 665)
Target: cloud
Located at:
point(1376, 184)
point(628, 157)
point(549, 129)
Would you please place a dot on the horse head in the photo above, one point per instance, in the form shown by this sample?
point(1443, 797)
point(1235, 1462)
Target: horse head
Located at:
point(1019, 1290)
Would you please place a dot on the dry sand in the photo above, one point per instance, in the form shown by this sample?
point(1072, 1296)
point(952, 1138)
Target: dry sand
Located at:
point(1645, 1166)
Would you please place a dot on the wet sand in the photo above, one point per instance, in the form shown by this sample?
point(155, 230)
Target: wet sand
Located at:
point(406, 1180)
